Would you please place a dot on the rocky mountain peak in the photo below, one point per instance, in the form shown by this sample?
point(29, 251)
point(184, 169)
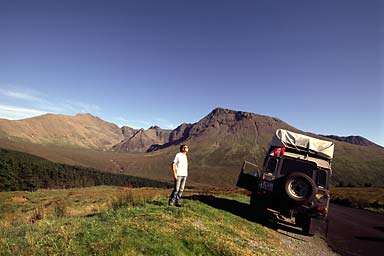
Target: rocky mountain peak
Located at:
point(356, 140)
point(80, 115)
point(85, 114)
point(221, 112)
point(222, 116)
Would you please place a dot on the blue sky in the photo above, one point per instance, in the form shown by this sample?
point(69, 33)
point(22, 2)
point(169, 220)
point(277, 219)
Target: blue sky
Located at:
point(317, 65)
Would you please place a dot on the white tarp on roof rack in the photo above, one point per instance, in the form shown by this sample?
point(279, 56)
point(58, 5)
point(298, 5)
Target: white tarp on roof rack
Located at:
point(312, 145)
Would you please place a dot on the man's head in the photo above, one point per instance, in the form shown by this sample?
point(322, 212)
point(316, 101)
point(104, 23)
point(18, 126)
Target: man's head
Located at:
point(184, 148)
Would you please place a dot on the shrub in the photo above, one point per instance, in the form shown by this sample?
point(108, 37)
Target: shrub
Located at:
point(60, 209)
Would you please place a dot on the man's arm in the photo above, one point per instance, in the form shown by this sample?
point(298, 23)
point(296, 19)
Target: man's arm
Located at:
point(174, 170)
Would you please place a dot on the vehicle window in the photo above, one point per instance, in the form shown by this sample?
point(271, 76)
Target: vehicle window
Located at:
point(321, 179)
point(291, 165)
point(250, 168)
point(271, 165)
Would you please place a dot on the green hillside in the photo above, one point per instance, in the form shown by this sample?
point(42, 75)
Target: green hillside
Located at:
point(368, 198)
point(219, 143)
point(22, 171)
point(123, 221)
point(358, 165)
point(212, 163)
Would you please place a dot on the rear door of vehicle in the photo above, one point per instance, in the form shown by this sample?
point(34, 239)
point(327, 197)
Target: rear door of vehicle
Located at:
point(249, 176)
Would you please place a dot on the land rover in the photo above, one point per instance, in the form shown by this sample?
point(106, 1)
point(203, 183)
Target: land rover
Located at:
point(294, 180)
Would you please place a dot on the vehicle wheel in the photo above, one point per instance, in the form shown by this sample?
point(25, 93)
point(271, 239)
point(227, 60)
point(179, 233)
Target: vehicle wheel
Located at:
point(299, 187)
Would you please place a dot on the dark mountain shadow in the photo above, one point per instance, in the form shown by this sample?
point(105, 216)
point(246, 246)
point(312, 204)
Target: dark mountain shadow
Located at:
point(183, 129)
point(243, 210)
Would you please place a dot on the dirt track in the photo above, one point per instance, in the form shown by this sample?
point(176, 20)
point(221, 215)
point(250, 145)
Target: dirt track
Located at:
point(290, 237)
point(351, 232)
point(355, 232)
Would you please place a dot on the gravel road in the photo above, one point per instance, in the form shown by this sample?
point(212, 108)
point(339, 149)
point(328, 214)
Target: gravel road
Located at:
point(290, 236)
point(353, 232)
point(305, 245)
point(295, 242)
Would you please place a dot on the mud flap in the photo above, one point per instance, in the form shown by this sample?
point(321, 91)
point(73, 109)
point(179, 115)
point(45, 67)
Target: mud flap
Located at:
point(318, 227)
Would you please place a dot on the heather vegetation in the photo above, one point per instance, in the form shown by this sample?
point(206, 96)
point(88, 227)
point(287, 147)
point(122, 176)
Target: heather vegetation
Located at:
point(369, 198)
point(22, 171)
point(127, 221)
point(219, 143)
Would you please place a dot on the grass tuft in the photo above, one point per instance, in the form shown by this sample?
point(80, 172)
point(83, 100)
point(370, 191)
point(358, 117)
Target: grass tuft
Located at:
point(130, 222)
point(37, 214)
point(60, 210)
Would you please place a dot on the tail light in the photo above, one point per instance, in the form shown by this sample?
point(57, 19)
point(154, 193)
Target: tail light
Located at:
point(279, 152)
point(322, 210)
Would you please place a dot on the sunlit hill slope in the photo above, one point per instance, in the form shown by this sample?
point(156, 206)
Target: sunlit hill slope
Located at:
point(219, 143)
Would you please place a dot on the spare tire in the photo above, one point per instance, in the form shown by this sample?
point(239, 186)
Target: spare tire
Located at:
point(299, 187)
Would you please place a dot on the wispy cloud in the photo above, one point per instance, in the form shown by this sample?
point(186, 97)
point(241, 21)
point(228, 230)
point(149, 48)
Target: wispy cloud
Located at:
point(122, 119)
point(13, 112)
point(21, 95)
point(23, 103)
point(80, 107)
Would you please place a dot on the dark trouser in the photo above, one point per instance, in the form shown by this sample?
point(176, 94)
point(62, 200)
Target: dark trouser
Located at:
point(178, 189)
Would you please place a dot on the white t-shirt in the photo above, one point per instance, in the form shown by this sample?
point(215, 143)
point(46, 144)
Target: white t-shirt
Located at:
point(181, 162)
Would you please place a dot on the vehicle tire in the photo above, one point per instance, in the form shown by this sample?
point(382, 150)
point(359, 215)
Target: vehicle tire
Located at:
point(299, 188)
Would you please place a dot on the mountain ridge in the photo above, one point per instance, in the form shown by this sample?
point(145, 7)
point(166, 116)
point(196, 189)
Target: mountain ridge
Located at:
point(218, 125)
point(352, 139)
point(140, 140)
point(81, 130)
point(219, 143)
point(93, 132)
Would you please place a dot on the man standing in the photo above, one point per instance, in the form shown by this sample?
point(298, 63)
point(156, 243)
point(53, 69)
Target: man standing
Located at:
point(180, 174)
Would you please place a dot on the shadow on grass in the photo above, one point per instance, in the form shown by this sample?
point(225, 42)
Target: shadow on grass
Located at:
point(243, 210)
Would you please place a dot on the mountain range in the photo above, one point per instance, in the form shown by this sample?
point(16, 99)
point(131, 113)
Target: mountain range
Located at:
point(88, 131)
point(357, 140)
point(82, 130)
point(219, 143)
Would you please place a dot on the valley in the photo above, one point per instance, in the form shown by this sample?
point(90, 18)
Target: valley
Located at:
point(219, 143)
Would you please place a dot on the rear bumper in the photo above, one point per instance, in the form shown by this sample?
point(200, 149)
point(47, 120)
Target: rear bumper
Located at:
point(275, 202)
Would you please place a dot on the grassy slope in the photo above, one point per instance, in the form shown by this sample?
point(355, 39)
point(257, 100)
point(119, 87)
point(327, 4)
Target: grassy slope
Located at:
point(22, 171)
point(364, 198)
point(210, 164)
point(118, 221)
point(358, 165)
